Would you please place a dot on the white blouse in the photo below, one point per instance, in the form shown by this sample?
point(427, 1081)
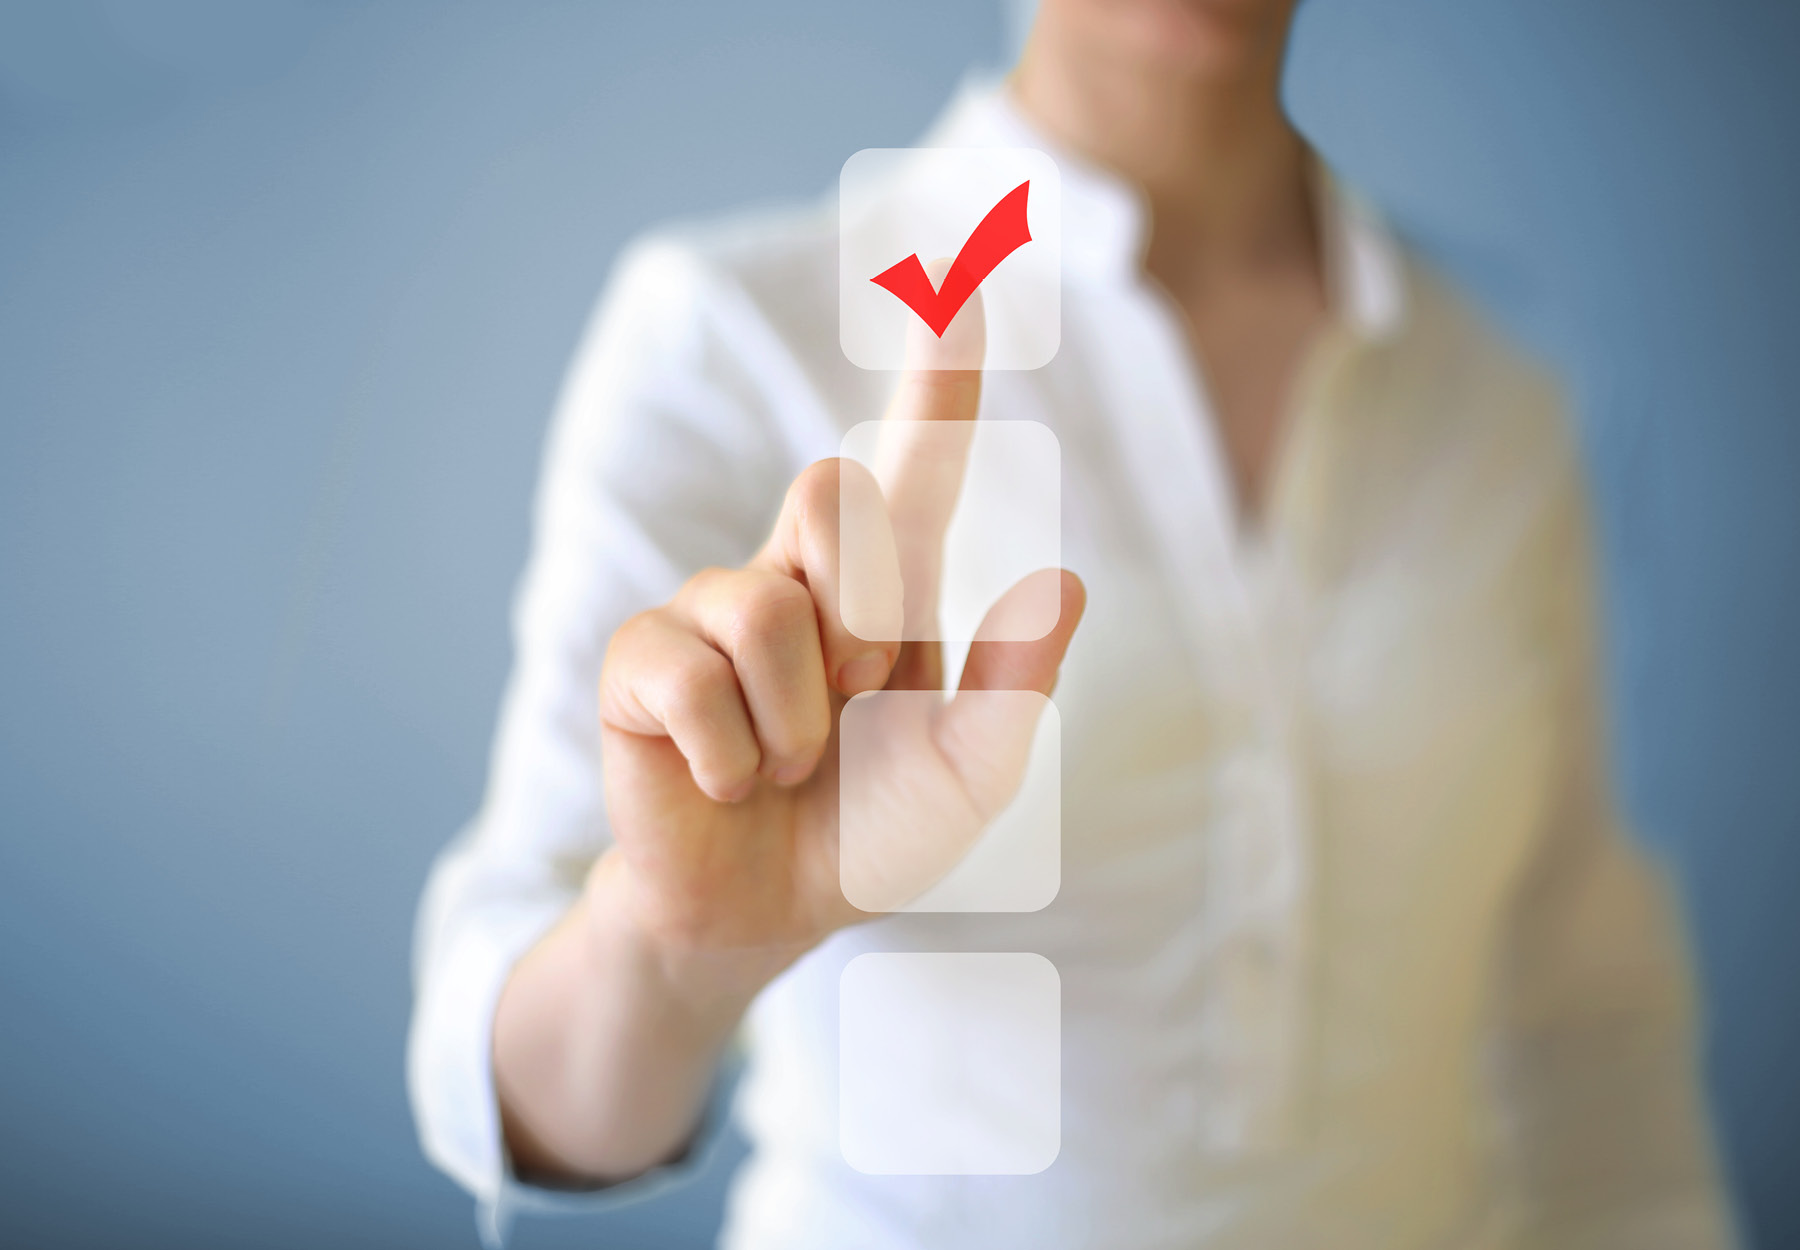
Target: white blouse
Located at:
point(1353, 951)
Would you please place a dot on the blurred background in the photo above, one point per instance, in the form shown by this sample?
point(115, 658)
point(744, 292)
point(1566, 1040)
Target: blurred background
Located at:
point(286, 289)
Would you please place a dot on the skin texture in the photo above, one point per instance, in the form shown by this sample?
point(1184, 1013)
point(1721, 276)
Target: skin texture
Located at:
point(719, 709)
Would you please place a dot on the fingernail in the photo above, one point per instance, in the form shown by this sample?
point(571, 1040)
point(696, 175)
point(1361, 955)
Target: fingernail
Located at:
point(739, 792)
point(865, 672)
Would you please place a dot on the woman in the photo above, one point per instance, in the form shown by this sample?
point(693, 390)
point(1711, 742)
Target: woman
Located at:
point(1352, 949)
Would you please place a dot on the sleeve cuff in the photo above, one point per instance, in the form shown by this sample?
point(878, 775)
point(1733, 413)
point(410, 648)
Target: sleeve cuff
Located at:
point(495, 1213)
point(450, 1073)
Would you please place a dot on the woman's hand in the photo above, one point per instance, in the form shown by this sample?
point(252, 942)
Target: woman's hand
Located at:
point(719, 719)
point(720, 709)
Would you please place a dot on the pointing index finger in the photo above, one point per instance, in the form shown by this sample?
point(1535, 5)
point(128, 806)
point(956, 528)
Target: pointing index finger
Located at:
point(924, 451)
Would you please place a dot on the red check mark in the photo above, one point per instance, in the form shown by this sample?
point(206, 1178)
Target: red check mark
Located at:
point(1001, 233)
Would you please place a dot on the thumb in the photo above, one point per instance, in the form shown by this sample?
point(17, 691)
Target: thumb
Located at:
point(1029, 665)
point(985, 732)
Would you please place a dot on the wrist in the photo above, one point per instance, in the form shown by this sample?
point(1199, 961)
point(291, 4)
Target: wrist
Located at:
point(710, 984)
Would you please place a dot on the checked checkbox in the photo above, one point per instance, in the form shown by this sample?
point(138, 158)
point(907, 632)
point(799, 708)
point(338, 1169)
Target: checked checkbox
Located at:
point(995, 213)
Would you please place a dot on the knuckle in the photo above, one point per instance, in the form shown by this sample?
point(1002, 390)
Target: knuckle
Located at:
point(698, 677)
point(630, 644)
point(814, 494)
point(818, 480)
point(633, 629)
point(703, 585)
point(770, 606)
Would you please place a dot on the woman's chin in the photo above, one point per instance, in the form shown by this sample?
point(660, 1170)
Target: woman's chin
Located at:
point(1206, 37)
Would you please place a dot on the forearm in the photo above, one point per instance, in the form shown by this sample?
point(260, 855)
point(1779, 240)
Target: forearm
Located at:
point(606, 1041)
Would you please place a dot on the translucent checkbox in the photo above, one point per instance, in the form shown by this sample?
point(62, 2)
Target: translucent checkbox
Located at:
point(943, 523)
point(930, 203)
point(950, 1064)
point(950, 806)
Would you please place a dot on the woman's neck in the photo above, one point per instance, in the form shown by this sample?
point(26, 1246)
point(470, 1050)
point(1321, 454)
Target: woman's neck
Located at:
point(1233, 237)
point(1224, 171)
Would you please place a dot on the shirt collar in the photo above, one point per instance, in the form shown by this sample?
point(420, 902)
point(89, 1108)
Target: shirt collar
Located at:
point(1105, 218)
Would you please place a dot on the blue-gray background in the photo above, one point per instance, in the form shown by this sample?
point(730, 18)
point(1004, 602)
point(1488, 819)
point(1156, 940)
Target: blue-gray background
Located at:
point(285, 292)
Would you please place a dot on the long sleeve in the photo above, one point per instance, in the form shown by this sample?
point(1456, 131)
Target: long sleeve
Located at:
point(1596, 1050)
point(673, 441)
